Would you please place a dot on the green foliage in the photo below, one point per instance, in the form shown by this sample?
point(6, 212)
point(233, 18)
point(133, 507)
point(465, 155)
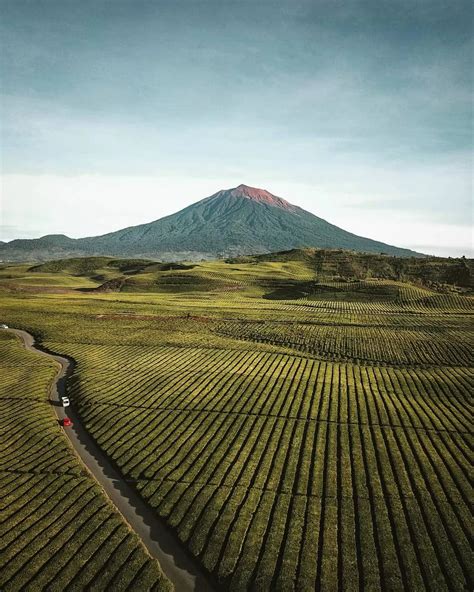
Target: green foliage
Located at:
point(287, 275)
point(318, 440)
point(58, 529)
point(91, 265)
point(435, 272)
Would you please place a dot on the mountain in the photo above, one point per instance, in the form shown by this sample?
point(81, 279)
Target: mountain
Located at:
point(239, 221)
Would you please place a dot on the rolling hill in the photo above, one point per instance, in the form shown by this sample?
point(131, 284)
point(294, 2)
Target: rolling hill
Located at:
point(233, 222)
point(283, 275)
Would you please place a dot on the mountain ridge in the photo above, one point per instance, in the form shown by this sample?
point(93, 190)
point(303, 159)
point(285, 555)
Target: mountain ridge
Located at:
point(242, 220)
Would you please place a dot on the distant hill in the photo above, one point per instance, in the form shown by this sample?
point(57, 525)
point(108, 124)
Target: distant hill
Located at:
point(434, 272)
point(232, 222)
point(283, 274)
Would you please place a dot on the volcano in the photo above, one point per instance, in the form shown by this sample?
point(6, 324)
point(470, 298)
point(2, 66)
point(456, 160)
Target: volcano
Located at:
point(239, 221)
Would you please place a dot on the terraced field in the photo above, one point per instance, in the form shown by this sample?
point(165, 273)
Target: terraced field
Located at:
point(401, 346)
point(311, 458)
point(58, 531)
point(321, 442)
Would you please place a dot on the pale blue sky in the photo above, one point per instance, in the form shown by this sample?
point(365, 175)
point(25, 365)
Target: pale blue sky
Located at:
point(129, 110)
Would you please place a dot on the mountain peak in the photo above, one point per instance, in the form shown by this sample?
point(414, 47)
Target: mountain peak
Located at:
point(258, 195)
point(242, 220)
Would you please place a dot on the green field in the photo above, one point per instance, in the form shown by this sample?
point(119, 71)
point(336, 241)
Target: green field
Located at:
point(299, 431)
point(58, 531)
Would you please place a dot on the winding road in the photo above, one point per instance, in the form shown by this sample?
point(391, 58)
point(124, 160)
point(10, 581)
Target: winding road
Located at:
point(180, 568)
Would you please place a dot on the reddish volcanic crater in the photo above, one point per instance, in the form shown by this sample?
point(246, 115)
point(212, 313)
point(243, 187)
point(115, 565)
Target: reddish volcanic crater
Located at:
point(260, 196)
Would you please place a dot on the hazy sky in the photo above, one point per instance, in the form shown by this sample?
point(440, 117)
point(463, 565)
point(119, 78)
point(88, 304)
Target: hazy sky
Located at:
point(117, 112)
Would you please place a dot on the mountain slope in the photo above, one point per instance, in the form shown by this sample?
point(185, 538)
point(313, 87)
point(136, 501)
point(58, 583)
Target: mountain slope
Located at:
point(238, 221)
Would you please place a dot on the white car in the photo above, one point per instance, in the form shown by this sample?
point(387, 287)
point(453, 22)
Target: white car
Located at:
point(65, 401)
point(3, 326)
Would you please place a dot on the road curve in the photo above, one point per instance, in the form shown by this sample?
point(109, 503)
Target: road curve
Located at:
point(176, 563)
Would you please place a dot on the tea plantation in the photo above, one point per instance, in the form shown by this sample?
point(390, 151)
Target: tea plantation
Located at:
point(297, 432)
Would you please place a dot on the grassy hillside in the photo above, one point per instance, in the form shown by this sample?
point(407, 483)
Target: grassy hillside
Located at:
point(297, 427)
point(436, 272)
point(289, 274)
point(58, 530)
